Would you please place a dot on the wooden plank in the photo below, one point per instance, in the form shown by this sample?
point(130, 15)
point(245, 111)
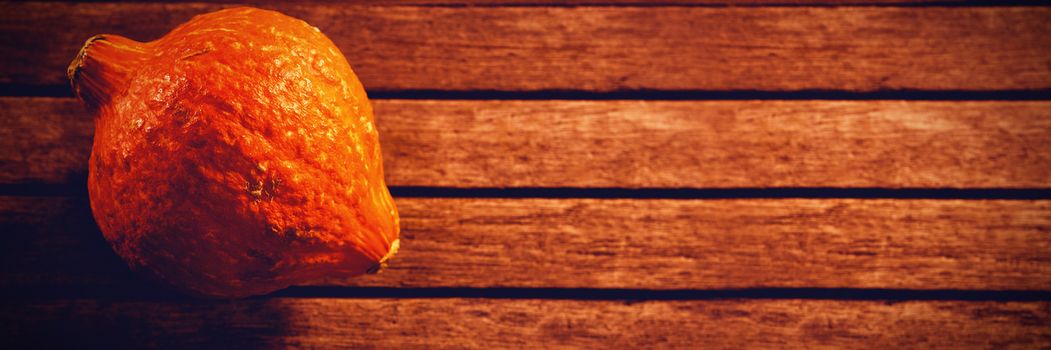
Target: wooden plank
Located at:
point(489, 323)
point(670, 144)
point(630, 2)
point(634, 244)
point(44, 140)
point(604, 48)
point(717, 143)
point(54, 242)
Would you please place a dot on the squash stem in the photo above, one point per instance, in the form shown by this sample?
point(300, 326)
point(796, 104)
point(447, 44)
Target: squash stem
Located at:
point(103, 68)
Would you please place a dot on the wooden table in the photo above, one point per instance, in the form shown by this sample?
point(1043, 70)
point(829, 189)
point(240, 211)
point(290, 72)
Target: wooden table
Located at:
point(688, 174)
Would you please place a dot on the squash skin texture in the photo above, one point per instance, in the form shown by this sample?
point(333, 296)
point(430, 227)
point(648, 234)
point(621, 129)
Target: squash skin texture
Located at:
point(235, 156)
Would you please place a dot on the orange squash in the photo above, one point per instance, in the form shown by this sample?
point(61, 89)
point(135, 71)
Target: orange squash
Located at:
point(235, 156)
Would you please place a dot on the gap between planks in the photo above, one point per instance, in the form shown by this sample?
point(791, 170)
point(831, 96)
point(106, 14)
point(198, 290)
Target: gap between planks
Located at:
point(639, 144)
point(589, 48)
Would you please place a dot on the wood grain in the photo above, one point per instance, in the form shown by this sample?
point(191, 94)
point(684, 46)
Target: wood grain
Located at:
point(489, 323)
point(44, 140)
point(604, 48)
point(716, 143)
point(633, 244)
point(611, 2)
point(671, 144)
